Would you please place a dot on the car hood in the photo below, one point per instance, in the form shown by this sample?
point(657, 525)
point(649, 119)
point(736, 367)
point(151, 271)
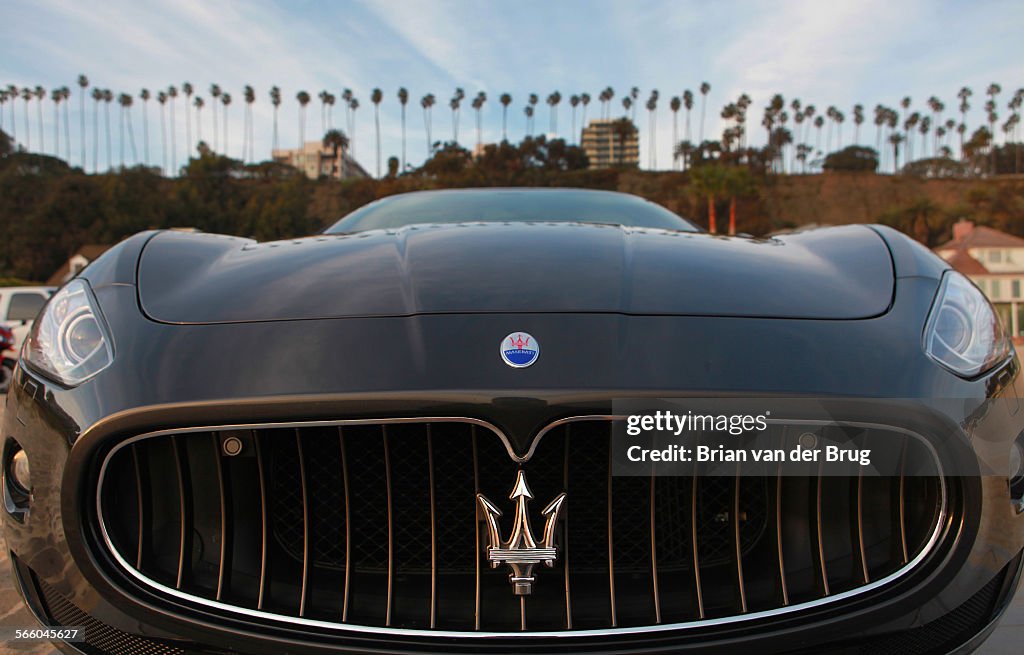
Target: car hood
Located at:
point(830, 273)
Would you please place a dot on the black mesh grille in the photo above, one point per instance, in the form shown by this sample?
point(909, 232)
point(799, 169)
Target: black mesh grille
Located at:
point(336, 524)
point(100, 638)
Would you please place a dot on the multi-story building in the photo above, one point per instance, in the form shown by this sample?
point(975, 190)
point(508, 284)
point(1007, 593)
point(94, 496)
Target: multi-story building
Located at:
point(316, 161)
point(994, 261)
point(611, 143)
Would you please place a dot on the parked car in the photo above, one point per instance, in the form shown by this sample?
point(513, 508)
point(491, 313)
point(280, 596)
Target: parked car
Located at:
point(19, 307)
point(331, 444)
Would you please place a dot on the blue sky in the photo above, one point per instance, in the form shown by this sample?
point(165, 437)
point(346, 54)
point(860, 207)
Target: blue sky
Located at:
point(834, 52)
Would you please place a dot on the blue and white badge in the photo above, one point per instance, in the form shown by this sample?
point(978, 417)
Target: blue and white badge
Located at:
point(520, 349)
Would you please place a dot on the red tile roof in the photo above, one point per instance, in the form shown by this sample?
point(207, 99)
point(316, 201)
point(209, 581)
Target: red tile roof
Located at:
point(966, 264)
point(983, 237)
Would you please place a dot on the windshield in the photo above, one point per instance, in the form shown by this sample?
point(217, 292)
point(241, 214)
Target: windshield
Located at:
point(511, 205)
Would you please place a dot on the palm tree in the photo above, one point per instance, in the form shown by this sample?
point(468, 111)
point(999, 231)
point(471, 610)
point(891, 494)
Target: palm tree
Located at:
point(990, 108)
point(634, 95)
point(3, 101)
point(427, 103)
point(66, 97)
point(710, 182)
point(127, 102)
point(574, 101)
point(108, 97)
point(858, 119)
point(199, 103)
point(528, 110)
point(532, 100)
point(337, 142)
point(161, 98)
point(40, 94)
point(688, 105)
point(346, 99)
point(704, 89)
point(188, 90)
point(584, 100)
point(478, 105)
point(275, 100)
point(963, 95)
point(403, 100)
point(323, 110)
point(225, 99)
point(895, 139)
point(83, 84)
point(505, 101)
point(331, 99)
point(353, 105)
point(553, 100)
point(675, 104)
point(819, 121)
point(375, 97)
point(455, 105)
point(215, 92)
point(56, 96)
point(144, 96)
point(925, 127)
point(27, 95)
point(172, 93)
point(652, 122)
point(303, 99)
point(249, 96)
point(97, 96)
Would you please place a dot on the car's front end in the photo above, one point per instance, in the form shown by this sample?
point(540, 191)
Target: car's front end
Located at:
point(281, 477)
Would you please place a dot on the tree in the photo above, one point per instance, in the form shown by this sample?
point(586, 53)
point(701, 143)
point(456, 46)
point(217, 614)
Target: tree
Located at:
point(215, 92)
point(852, 158)
point(427, 103)
point(704, 89)
point(199, 103)
point(40, 94)
point(108, 97)
point(675, 104)
point(895, 139)
point(532, 100)
point(403, 100)
point(249, 96)
point(145, 96)
point(338, 143)
point(623, 129)
point(652, 108)
point(353, 105)
point(172, 93)
point(455, 105)
point(584, 100)
point(27, 95)
point(303, 99)
point(528, 110)
point(553, 101)
point(66, 93)
point(375, 97)
point(161, 98)
point(710, 181)
point(275, 100)
point(83, 84)
point(574, 101)
point(990, 107)
point(56, 96)
point(225, 99)
point(963, 95)
point(858, 120)
point(478, 105)
point(505, 101)
point(393, 167)
point(188, 90)
point(738, 183)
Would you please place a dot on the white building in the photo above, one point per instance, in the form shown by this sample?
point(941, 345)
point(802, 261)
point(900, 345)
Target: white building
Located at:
point(994, 261)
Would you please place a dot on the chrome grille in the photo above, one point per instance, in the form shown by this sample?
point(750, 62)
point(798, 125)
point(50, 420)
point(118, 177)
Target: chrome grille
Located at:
point(375, 525)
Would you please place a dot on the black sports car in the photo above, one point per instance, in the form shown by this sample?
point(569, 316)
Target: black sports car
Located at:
point(331, 444)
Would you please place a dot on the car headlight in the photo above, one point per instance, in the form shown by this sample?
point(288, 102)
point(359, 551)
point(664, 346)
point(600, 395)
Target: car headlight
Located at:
point(963, 332)
point(69, 341)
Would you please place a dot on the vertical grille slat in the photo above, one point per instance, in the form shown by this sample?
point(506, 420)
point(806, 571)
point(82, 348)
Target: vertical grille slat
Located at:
point(737, 541)
point(391, 527)
point(304, 491)
point(223, 564)
point(433, 531)
point(376, 525)
point(611, 545)
point(565, 533)
point(264, 520)
point(348, 524)
point(184, 513)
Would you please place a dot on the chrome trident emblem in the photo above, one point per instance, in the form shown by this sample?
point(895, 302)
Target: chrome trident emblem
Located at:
point(521, 551)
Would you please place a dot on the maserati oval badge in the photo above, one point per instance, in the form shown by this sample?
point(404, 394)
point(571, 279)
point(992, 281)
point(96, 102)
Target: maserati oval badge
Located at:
point(520, 349)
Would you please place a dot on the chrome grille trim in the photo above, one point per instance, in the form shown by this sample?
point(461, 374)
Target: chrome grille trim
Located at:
point(181, 471)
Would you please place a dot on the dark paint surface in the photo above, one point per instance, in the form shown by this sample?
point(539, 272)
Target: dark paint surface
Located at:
point(834, 273)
